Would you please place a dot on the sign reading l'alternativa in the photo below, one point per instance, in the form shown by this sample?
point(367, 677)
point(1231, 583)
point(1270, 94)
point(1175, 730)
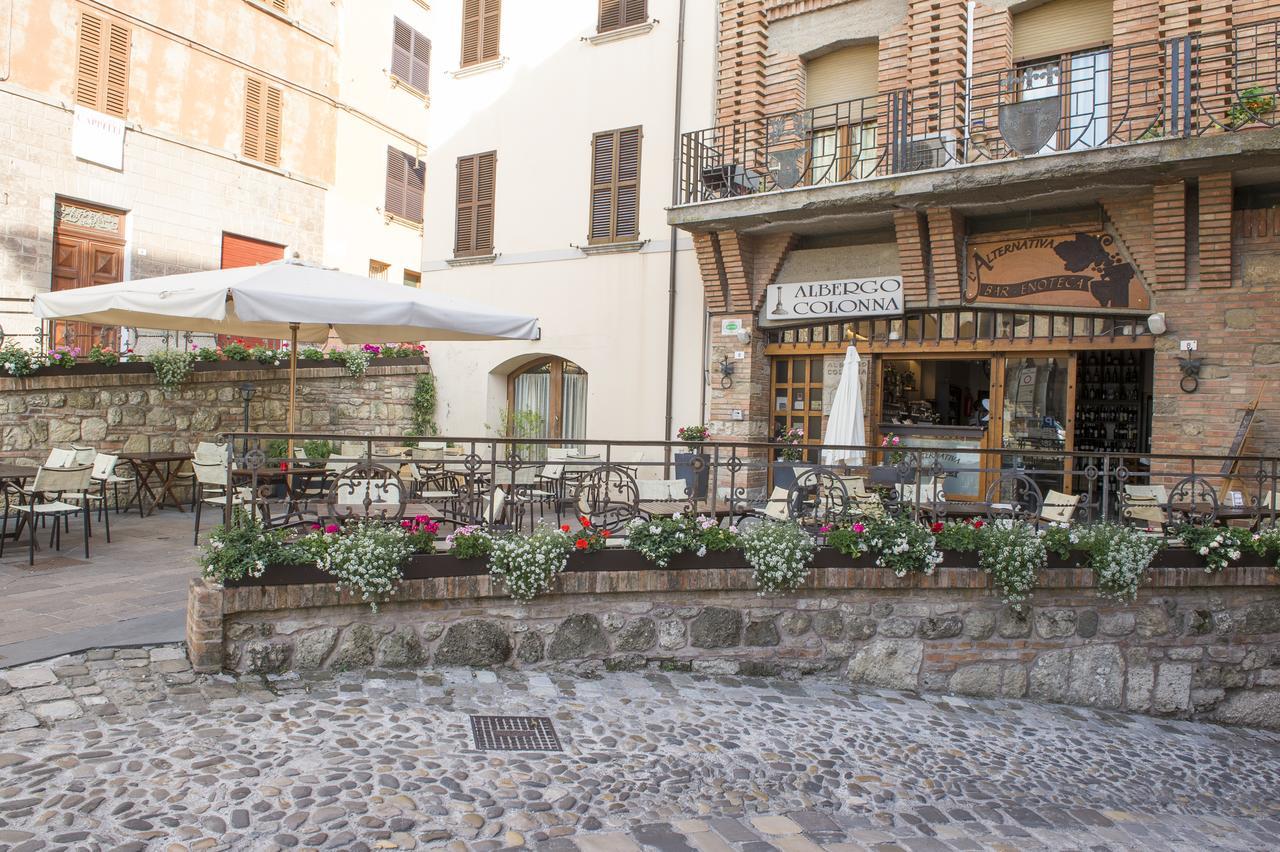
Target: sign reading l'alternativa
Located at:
point(1081, 269)
point(850, 297)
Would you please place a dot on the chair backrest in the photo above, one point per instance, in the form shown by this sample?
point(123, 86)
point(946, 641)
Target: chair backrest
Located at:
point(495, 506)
point(352, 491)
point(928, 492)
point(58, 457)
point(427, 454)
point(856, 486)
point(776, 508)
point(1059, 508)
point(83, 455)
point(352, 449)
point(210, 473)
point(551, 471)
point(655, 489)
point(1145, 503)
point(60, 480)
point(557, 454)
point(433, 446)
point(300, 452)
point(103, 466)
point(1146, 494)
point(208, 452)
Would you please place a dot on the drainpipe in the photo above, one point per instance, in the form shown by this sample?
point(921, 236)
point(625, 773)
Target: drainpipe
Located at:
point(968, 64)
point(8, 49)
point(671, 251)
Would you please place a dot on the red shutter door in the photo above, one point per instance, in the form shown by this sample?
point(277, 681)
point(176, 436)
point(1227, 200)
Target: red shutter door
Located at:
point(238, 251)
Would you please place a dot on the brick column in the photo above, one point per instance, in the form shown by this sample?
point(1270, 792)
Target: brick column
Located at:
point(910, 234)
point(1215, 230)
point(946, 241)
point(204, 625)
point(1169, 229)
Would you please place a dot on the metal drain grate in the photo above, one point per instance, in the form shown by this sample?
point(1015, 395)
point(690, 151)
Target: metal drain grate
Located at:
point(514, 733)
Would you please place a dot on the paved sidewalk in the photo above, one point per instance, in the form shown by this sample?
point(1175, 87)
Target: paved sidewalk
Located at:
point(130, 750)
point(131, 591)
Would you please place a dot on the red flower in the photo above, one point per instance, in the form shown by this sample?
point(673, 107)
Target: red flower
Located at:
point(977, 525)
point(936, 527)
point(584, 520)
point(605, 533)
point(564, 528)
point(581, 544)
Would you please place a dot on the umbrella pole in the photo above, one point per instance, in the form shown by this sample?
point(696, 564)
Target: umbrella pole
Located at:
point(293, 381)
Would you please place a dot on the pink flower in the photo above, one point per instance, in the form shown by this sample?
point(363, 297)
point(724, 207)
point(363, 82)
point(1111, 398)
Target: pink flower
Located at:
point(825, 528)
point(333, 528)
point(859, 528)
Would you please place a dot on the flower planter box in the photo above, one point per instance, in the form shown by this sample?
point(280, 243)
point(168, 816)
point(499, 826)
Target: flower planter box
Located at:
point(84, 368)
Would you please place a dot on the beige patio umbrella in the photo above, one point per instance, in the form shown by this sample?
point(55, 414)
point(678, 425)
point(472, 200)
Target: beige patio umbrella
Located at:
point(286, 300)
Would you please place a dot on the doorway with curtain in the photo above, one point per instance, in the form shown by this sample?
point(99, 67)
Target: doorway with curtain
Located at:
point(547, 398)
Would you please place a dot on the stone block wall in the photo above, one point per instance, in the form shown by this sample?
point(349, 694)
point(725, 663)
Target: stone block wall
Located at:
point(1191, 646)
point(129, 411)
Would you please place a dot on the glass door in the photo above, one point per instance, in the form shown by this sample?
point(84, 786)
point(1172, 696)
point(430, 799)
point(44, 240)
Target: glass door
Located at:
point(797, 398)
point(1036, 416)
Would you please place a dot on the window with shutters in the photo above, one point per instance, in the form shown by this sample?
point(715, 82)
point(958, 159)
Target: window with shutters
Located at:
point(616, 14)
point(615, 186)
point(412, 279)
point(410, 56)
point(473, 234)
point(263, 108)
point(481, 21)
point(406, 182)
point(102, 65)
point(378, 270)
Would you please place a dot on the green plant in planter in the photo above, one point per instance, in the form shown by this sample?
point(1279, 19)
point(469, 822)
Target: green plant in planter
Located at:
point(422, 533)
point(246, 549)
point(1250, 104)
point(694, 436)
point(902, 545)
point(1266, 543)
point(1217, 546)
point(469, 543)
point(208, 354)
point(779, 553)
point(1013, 554)
point(311, 353)
point(317, 450)
point(852, 541)
point(958, 536)
point(277, 450)
point(172, 367)
point(527, 565)
point(355, 360)
point(713, 537)
point(367, 558)
point(236, 351)
point(18, 362)
point(103, 357)
point(267, 356)
point(62, 356)
point(659, 539)
point(1118, 556)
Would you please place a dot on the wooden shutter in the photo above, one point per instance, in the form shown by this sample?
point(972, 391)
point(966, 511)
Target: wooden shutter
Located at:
point(842, 75)
point(263, 109)
point(616, 14)
point(481, 24)
point(102, 65)
point(396, 180)
point(410, 56)
point(615, 186)
point(406, 182)
point(1062, 26)
point(473, 234)
point(280, 5)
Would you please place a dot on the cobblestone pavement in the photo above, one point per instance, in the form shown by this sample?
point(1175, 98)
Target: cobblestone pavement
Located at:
point(129, 749)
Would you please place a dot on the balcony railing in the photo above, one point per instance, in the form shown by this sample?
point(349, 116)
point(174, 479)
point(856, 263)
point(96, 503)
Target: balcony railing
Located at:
point(1169, 88)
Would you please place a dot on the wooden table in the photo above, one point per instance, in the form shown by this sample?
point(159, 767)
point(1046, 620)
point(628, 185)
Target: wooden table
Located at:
point(147, 466)
point(17, 474)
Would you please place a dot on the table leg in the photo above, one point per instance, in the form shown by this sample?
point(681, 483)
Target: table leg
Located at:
point(142, 471)
point(166, 486)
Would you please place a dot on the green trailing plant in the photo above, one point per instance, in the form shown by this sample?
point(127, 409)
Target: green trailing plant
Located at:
point(779, 553)
point(424, 405)
point(1119, 556)
point(317, 450)
point(18, 362)
point(208, 353)
point(469, 543)
point(173, 367)
point(527, 565)
point(246, 549)
point(355, 360)
point(1014, 555)
point(102, 356)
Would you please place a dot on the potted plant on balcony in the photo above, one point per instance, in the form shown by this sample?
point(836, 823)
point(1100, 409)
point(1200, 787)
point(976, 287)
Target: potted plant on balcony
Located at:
point(692, 466)
point(790, 438)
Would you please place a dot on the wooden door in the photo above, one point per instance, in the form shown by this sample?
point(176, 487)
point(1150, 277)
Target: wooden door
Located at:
point(88, 249)
point(238, 251)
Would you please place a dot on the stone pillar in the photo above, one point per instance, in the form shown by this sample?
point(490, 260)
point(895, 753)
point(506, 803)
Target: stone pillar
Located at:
point(204, 625)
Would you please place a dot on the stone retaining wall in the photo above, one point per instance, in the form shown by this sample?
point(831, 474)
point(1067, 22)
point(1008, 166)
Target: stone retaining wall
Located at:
point(122, 409)
point(1192, 645)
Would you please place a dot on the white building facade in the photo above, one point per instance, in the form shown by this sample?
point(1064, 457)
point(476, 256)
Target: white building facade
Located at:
point(549, 168)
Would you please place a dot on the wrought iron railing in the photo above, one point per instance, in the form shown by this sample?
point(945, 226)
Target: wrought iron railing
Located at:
point(1177, 87)
point(498, 482)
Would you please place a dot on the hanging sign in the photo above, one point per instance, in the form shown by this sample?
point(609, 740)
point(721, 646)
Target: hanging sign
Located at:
point(98, 138)
point(1081, 269)
point(850, 297)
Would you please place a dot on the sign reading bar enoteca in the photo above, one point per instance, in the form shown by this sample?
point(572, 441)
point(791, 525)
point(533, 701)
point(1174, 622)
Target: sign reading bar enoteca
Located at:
point(1082, 269)
point(851, 297)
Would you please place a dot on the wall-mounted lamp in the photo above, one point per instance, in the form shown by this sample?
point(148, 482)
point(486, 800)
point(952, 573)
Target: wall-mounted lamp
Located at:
point(1157, 325)
point(744, 336)
point(726, 373)
point(1190, 367)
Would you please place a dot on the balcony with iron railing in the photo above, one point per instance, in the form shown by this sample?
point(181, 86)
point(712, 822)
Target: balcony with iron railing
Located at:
point(1174, 88)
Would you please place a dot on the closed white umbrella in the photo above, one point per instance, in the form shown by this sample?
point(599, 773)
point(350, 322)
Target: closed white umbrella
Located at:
point(845, 426)
point(285, 299)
